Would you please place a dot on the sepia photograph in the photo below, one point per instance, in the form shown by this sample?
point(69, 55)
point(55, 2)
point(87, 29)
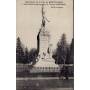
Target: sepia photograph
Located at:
point(44, 45)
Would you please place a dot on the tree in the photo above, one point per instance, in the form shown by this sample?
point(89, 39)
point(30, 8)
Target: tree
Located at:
point(54, 55)
point(61, 51)
point(61, 56)
point(70, 53)
point(19, 52)
point(69, 70)
point(26, 56)
point(33, 55)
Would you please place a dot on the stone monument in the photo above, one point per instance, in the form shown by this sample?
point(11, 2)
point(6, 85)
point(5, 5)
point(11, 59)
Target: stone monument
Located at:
point(45, 62)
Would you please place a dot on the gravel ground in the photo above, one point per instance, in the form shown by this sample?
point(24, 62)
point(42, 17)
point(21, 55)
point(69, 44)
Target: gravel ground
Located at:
point(44, 84)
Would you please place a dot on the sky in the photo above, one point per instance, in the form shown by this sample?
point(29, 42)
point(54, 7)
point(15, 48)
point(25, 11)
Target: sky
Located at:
point(28, 22)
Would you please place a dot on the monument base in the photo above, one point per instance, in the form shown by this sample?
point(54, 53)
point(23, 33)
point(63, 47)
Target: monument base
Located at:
point(45, 65)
